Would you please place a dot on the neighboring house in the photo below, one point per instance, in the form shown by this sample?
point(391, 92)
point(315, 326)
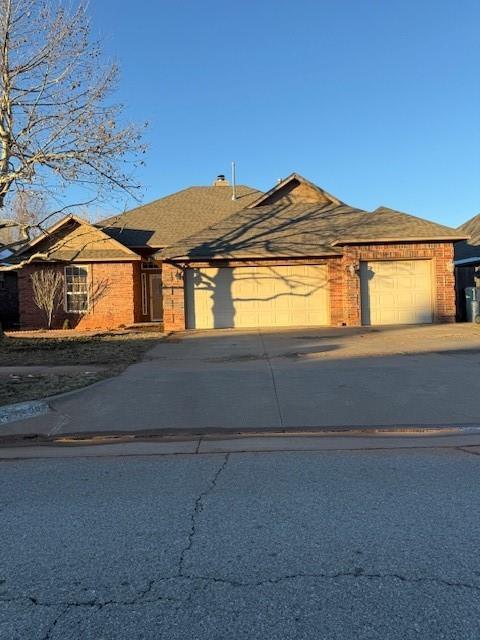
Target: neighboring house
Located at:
point(8, 284)
point(294, 256)
point(467, 262)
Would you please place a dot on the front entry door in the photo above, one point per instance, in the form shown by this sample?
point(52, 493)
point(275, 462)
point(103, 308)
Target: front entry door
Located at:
point(156, 307)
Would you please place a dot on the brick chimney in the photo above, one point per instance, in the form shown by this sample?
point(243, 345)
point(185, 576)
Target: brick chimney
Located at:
point(221, 181)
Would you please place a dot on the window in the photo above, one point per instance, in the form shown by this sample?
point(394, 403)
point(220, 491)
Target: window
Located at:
point(149, 263)
point(144, 295)
point(76, 289)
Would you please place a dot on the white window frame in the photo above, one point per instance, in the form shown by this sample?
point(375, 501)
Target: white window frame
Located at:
point(144, 295)
point(86, 268)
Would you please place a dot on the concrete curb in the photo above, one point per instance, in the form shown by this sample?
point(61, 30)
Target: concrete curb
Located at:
point(23, 411)
point(65, 448)
point(182, 435)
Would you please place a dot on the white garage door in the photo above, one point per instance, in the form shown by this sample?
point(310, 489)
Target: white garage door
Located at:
point(257, 297)
point(396, 292)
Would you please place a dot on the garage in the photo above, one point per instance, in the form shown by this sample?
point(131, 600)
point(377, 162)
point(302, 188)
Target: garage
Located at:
point(257, 296)
point(396, 292)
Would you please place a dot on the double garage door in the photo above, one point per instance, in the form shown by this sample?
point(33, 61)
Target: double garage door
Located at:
point(280, 296)
point(392, 292)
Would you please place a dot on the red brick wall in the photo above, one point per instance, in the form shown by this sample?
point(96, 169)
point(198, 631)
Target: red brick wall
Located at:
point(115, 297)
point(345, 304)
point(173, 297)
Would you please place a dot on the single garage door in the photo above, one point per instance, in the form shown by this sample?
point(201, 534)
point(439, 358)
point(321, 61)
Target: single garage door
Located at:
point(396, 292)
point(257, 297)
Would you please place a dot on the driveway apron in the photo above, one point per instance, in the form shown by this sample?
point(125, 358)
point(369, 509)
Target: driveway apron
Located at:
point(289, 379)
point(198, 382)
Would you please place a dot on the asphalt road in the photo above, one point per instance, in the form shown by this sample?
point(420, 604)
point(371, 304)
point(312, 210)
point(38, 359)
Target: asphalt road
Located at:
point(347, 545)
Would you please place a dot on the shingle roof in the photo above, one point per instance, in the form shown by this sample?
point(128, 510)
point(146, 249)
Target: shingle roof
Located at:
point(386, 224)
point(165, 221)
point(303, 230)
point(470, 248)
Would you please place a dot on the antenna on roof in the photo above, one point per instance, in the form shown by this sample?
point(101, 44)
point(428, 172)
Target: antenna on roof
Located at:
point(234, 185)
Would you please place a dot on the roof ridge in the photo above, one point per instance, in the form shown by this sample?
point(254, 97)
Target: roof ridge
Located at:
point(469, 221)
point(415, 217)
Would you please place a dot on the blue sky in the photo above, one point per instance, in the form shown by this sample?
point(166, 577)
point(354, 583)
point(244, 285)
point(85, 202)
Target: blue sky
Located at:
point(377, 101)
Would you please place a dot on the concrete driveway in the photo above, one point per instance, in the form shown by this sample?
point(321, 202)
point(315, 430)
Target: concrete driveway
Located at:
point(288, 379)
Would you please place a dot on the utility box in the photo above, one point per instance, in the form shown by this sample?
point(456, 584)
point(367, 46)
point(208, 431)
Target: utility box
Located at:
point(472, 299)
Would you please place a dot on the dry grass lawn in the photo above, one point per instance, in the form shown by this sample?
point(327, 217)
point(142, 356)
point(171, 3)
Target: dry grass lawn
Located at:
point(109, 353)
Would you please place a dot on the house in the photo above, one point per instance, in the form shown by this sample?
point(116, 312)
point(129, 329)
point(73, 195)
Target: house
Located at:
point(298, 256)
point(467, 262)
point(293, 256)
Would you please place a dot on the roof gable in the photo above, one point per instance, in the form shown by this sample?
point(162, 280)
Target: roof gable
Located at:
point(73, 239)
point(295, 189)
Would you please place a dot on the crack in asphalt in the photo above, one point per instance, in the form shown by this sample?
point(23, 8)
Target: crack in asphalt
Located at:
point(197, 509)
point(51, 628)
point(357, 573)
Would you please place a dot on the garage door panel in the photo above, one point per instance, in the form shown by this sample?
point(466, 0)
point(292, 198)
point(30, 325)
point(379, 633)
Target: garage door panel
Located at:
point(396, 292)
point(257, 296)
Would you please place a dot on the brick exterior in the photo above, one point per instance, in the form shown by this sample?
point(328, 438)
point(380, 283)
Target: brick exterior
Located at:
point(345, 304)
point(116, 291)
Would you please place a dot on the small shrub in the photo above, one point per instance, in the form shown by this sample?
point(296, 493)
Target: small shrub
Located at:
point(66, 324)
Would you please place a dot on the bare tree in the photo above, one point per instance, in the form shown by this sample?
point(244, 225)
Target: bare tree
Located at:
point(57, 127)
point(47, 292)
point(25, 210)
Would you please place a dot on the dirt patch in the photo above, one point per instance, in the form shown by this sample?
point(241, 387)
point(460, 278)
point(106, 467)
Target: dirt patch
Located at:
point(34, 387)
point(113, 351)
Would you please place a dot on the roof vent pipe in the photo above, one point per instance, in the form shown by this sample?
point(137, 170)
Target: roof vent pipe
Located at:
point(234, 184)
